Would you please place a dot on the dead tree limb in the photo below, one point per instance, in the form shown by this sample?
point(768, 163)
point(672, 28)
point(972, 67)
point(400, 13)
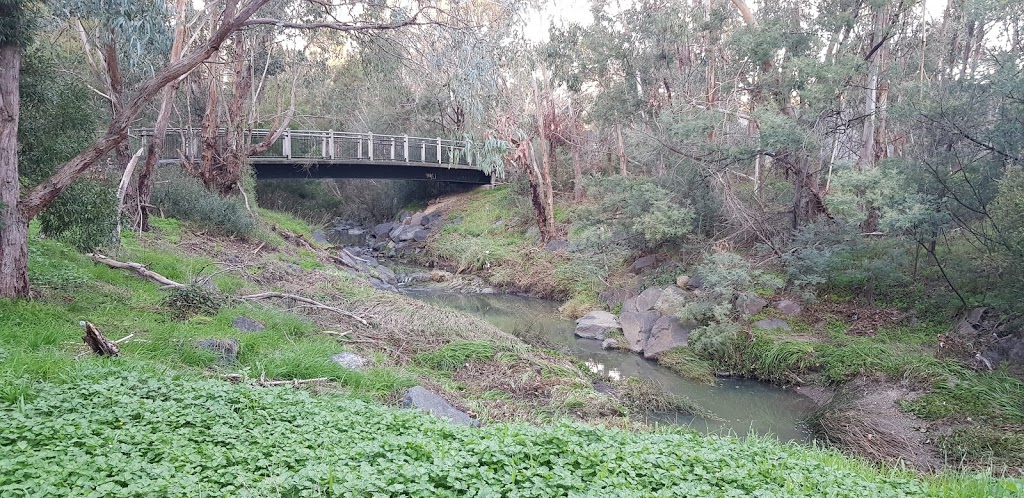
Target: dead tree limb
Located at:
point(98, 343)
point(315, 304)
point(138, 268)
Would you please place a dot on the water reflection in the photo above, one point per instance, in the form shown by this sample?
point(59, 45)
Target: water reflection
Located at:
point(740, 406)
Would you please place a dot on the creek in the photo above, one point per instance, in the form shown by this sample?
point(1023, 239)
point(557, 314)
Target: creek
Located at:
point(740, 406)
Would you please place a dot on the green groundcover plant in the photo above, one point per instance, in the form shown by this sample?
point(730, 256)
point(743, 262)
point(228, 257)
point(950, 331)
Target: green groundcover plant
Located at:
point(116, 433)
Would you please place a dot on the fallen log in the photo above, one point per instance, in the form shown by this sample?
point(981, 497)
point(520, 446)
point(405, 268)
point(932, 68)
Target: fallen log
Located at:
point(138, 268)
point(97, 342)
point(305, 300)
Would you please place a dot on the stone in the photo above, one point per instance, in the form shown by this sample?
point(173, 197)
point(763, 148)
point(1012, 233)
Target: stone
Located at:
point(429, 219)
point(350, 361)
point(773, 324)
point(629, 305)
point(404, 233)
point(596, 325)
point(750, 305)
point(421, 235)
point(789, 308)
point(320, 236)
point(636, 327)
point(556, 246)
point(643, 263)
point(247, 324)
point(695, 282)
point(609, 343)
point(682, 281)
point(648, 299)
point(613, 297)
point(432, 403)
point(225, 349)
point(382, 229)
point(666, 333)
point(417, 219)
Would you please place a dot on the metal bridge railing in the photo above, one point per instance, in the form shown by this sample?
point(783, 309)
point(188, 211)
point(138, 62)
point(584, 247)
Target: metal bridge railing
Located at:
point(301, 146)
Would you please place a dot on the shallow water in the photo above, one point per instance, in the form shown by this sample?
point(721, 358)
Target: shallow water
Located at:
point(745, 406)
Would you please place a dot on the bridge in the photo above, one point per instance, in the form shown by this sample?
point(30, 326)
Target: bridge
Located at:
point(333, 154)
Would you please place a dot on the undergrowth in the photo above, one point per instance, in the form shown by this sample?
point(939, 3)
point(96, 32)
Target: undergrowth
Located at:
point(171, 436)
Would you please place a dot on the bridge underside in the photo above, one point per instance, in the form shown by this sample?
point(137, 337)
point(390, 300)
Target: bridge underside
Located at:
point(377, 170)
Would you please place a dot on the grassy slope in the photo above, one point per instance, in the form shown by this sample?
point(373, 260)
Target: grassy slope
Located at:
point(152, 422)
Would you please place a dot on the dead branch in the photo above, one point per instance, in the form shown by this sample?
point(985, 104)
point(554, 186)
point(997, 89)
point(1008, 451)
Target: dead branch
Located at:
point(138, 268)
point(98, 343)
point(315, 304)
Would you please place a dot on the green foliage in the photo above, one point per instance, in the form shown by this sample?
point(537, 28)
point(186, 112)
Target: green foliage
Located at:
point(726, 277)
point(186, 198)
point(685, 362)
point(166, 436)
point(58, 116)
point(719, 342)
point(84, 215)
point(455, 355)
point(634, 212)
point(193, 300)
point(833, 257)
point(996, 447)
point(969, 394)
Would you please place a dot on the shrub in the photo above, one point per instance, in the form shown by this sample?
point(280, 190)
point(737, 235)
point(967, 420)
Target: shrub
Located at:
point(635, 212)
point(186, 198)
point(193, 300)
point(726, 277)
point(84, 215)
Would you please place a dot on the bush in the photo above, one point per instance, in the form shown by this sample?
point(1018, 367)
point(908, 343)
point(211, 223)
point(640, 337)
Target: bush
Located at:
point(84, 215)
point(186, 198)
point(193, 300)
point(633, 211)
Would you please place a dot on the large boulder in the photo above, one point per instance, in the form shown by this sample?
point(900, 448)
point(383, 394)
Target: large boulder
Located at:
point(666, 333)
point(432, 403)
point(648, 299)
point(421, 234)
point(636, 327)
point(613, 296)
point(596, 325)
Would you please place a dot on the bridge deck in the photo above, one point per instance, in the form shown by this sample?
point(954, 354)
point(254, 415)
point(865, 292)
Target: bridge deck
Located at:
point(331, 154)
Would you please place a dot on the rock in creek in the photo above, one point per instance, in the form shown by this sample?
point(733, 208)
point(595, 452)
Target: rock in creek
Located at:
point(431, 403)
point(666, 333)
point(225, 349)
point(350, 361)
point(596, 325)
point(247, 324)
point(636, 327)
point(609, 343)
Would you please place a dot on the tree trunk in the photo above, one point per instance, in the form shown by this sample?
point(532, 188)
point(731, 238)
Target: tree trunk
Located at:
point(577, 171)
point(155, 145)
point(622, 148)
point(13, 226)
